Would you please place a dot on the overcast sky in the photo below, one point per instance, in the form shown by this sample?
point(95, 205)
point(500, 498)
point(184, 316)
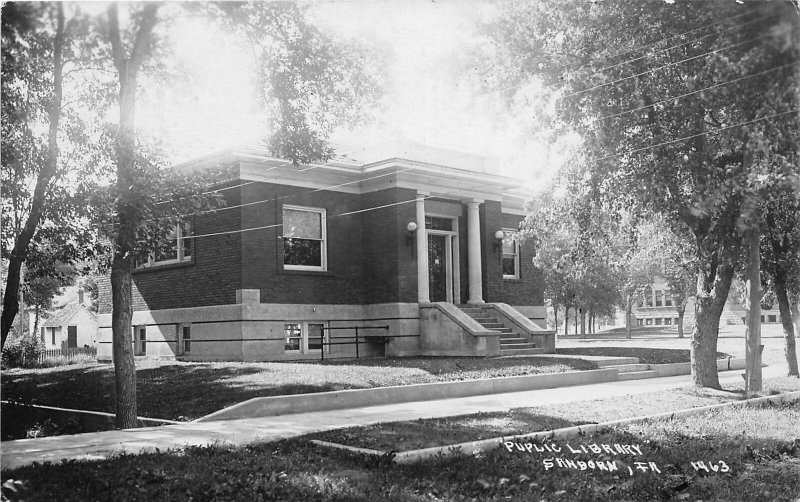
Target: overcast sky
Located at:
point(427, 100)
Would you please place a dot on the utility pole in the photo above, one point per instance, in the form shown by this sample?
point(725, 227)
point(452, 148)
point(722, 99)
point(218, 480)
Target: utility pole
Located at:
point(753, 346)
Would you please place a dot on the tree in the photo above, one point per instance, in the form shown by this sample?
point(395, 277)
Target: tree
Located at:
point(33, 51)
point(671, 124)
point(315, 84)
point(781, 260)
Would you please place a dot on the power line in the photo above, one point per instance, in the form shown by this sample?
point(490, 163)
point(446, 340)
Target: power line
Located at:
point(665, 100)
point(731, 46)
point(349, 213)
point(652, 44)
point(637, 150)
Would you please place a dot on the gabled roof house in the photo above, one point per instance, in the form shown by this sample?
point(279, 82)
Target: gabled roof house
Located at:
point(406, 250)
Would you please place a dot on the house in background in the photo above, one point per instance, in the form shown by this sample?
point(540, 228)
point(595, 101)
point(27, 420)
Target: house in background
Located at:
point(70, 323)
point(412, 249)
point(657, 308)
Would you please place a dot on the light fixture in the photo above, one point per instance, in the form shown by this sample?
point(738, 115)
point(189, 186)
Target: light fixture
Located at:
point(498, 240)
point(412, 233)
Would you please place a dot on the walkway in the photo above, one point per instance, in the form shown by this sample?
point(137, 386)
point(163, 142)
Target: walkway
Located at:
point(99, 445)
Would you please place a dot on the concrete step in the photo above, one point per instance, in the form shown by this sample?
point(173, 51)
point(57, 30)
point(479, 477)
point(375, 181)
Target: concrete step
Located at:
point(629, 368)
point(472, 311)
point(513, 338)
point(523, 345)
point(638, 375)
point(491, 325)
point(521, 352)
point(615, 361)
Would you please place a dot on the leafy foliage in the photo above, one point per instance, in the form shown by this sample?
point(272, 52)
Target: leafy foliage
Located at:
point(684, 110)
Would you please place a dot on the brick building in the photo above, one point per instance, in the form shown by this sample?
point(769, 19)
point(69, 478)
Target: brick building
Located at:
point(412, 245)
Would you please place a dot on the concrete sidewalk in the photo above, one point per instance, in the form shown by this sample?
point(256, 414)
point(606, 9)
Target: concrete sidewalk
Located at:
point(99, 445)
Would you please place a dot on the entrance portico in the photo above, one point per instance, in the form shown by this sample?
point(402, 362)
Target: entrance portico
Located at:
point(439, 251)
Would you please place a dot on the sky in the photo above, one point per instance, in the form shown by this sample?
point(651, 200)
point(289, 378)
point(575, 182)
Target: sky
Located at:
point(427, 100)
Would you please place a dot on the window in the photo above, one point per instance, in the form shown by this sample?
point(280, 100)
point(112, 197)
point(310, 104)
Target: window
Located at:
point(294, 337)
point(658, 298)
point(667, 298)
point(141, 340)
point(185, 342)
point(510, 255)
point(649, 321)
point(437, 223)
point(648, 299)
point(677, 320)
point(304, 238)
point(303, 337)
point(640, 322)
point(176, 247)
point(658, 321)
point(772, 318)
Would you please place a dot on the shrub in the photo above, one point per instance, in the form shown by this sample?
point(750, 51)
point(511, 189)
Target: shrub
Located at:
point(22, 352)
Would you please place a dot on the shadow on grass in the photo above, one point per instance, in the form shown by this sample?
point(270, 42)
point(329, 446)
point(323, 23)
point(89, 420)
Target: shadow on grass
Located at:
point(172, 392)
point(450, 365)
point(432, 432)
point(294, 470)
point(645, 355)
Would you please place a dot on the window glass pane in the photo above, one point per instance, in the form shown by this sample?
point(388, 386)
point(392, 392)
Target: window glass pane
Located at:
point(509, 243)
point(434, 223)
point(303, 224)
point(186, 244)
point(302, 252)
point(315, 336)
point(167, 249)
point(293, 334)
point(187, 339)
point(509, 266)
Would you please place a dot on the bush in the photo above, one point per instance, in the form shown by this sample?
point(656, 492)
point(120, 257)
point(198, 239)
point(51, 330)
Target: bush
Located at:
point(23, 352)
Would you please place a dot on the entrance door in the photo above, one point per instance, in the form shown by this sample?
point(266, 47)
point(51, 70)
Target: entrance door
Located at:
point(72, 337)
point(438, 264)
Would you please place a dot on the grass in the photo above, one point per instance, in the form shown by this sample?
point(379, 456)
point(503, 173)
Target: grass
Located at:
point(759, 446)
point(426, 433)
point(185, 391)
point(646, 355)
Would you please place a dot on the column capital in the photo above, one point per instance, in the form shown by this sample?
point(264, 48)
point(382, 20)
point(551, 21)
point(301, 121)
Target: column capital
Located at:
point(470, 202)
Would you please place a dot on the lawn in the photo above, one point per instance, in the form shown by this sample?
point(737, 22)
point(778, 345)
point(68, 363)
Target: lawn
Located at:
point(426, 433)
point(757, 448)
point(185, 391)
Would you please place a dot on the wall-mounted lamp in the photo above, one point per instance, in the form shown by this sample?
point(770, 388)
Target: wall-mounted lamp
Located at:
point(498, 240)
point(411, 236)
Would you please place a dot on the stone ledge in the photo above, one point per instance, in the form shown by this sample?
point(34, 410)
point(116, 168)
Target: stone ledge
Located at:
point(321, 401)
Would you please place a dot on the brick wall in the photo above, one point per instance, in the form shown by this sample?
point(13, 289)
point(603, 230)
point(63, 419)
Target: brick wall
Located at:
point(388, 260)
point(529, 288)
point(262, 250)
point(211, 278)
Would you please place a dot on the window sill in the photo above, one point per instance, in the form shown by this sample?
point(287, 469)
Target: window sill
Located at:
point(318, 273)
point(512, 279)
point(164, 266)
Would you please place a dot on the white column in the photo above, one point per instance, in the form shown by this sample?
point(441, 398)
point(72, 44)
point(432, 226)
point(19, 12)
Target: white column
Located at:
point(422, 251)
point(474, 252)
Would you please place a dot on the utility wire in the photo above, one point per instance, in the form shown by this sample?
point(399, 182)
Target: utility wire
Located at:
point(721, 84)
point(731, 46)
point(720, 129)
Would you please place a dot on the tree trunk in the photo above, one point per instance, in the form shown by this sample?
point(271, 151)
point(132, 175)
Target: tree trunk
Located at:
point(566, 320)
point(576, 319)
point(20, 251)
point(583, 323)
point(681, 312)
point(786, 321)
point(753, 306)
point(712, 291)
point(555, 318)
point(628, 315)
point(36, 316)
point(127, 220)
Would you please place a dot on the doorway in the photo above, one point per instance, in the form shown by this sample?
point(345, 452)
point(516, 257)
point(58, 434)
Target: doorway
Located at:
point(443, 281)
